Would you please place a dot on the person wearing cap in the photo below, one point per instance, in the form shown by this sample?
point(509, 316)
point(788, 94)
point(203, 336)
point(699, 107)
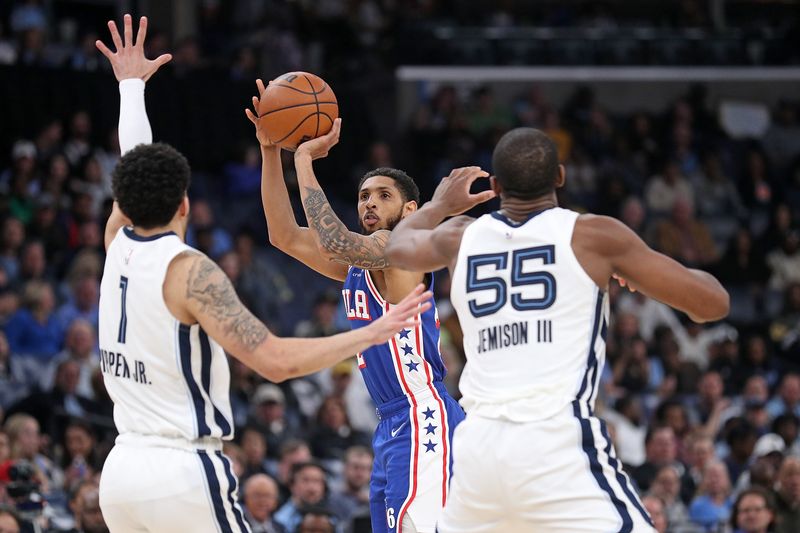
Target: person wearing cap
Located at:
point(269, 416)
point(767, 455)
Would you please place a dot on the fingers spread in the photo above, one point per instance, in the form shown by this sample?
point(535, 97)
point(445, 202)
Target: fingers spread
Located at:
point(103, 49)
point(142, 33)
point(112, 27)
point(128, 30)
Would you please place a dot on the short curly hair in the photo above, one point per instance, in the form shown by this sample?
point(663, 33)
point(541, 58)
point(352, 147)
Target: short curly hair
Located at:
point(149, 183)
point(404, 182)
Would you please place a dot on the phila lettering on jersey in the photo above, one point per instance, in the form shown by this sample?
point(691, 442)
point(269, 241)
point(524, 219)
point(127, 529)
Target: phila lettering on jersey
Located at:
point(166, 379)
point(534, 322)
point(406, 365)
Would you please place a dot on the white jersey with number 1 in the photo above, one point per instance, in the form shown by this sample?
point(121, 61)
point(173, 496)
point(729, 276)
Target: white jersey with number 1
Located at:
point(166, 379)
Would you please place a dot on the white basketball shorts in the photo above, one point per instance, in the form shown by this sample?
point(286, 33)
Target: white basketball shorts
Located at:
point(555, 475)
point(169, 489)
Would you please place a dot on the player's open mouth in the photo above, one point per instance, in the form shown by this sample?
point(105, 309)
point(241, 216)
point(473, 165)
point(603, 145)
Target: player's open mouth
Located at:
point(370, 218)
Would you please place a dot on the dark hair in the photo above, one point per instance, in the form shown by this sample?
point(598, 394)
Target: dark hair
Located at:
point(299, 467)
point(752, 491)
point(405, 183)
point(150, 182)
point(525, 163)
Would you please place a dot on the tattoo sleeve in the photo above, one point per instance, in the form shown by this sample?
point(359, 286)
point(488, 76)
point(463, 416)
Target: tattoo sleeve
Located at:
point(212, 289)
point(347, 247)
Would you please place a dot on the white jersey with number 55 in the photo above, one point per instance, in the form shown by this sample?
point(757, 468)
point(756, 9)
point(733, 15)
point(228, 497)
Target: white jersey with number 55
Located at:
point(534, 322)
point(166, 379)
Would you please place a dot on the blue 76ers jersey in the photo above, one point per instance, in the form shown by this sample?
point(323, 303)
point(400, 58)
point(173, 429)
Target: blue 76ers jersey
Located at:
point(406, 365)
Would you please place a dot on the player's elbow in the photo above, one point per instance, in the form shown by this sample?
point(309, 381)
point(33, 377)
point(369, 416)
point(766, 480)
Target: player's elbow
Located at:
point(720, 305)
point(716, 306)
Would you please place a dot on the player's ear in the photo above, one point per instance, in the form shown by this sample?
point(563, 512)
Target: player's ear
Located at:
point(562, 176)
point(495, 185)
point(409, 207)
point(183, 209)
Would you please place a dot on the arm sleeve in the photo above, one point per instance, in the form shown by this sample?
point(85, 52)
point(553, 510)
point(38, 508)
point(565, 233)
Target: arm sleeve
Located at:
point(134, 127)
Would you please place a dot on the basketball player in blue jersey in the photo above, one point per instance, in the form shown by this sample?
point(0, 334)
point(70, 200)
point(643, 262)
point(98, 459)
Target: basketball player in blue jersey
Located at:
point(167, 316)
point(529, 286)
point(411, 471)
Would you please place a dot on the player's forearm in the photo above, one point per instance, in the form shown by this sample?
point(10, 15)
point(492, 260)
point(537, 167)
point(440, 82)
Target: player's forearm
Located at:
point(293, 357)
point(333, 238)
point(134, 126)
point(281, 223)
point(410, 234)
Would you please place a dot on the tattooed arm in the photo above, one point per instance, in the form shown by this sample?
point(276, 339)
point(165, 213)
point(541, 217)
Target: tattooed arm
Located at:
point(335, 241)
point(197, 291)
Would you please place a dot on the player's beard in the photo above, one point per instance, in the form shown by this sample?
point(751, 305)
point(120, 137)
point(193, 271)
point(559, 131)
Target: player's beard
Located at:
point(390, 224)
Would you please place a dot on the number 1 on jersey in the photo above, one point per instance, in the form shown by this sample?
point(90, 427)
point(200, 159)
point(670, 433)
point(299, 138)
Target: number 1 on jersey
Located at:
point(123, 318)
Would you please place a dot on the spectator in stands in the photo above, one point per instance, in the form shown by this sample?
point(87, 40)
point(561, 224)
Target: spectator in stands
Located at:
point(78, 347)
point(788, 427)
point(660, 451)
point(90, 518)
point(82, 305)
point(743, 265)
point(316, 519)
point(81, 460)
point(270, 417)
point(788, 496)
point(293, 452)
point(13, 382)
point(757, 191)
point(202, 219)
point(254, 448)
point(655, 508)
point(787, 399)
point(741, 437)
point(712, 506)
point(667, 487)
point(354, 492)
point(663, 190)
point(753, 512)
point(54, 408)
point(718, 202)
point(308, 486)
point(784, 262)
point(333, 434)
point(12, 239)
point(260, 501)
point(34, 331)
point(25, 441)
point(684, 237)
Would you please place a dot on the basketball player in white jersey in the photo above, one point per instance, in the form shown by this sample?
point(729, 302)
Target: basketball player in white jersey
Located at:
point(167, 316)
point(529, 286)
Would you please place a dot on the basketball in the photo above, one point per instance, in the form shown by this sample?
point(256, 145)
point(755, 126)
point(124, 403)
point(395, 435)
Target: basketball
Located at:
point(297, 107)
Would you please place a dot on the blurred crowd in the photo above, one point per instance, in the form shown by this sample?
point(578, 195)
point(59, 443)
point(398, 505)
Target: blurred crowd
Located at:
point(705, 417)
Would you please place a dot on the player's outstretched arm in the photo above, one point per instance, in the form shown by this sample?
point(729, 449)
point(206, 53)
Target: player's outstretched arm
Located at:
point(696, 293)
point(284, 231)
point(131, 69)
point(335, 241)
point(196, 290)
point(420, 242)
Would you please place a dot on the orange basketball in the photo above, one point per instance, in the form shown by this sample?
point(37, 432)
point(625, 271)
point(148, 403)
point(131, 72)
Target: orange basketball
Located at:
point(296, 107)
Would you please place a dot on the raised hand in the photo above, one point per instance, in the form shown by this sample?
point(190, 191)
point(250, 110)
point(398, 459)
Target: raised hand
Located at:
point(452, 194)
point(128, 61)
point(261, 135)
point(319, 147)
point(401, 316)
